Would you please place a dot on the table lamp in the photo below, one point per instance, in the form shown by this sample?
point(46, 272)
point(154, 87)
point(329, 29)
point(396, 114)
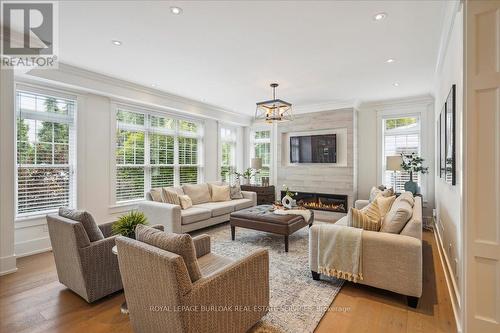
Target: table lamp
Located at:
point(256, 164)
point(393, 163)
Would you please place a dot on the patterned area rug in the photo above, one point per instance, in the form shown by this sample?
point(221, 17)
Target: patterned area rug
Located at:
point(297, 301)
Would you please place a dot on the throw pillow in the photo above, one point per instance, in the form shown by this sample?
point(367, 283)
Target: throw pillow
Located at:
point(236, 191)
point(385, 204)
point(374, 192)
point(92, 229)
point(221, 193)
point(367, 218)
point(397, 217)
point(156, 194)
point(171, 197)
point(185, 201)
point(408, 197)
point(181, 244)
point(199, 193)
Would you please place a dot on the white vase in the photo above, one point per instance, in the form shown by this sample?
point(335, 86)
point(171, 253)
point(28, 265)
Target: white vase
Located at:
point(287, 201)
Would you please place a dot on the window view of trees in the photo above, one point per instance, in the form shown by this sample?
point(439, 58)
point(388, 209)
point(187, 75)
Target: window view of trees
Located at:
point(44, 168)
point(154, 151)
point(262, 149)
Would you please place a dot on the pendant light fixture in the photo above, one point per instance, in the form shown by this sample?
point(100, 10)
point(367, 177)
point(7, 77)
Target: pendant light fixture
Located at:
point(273, 110)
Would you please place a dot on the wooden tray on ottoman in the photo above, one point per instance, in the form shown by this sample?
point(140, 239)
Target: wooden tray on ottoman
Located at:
point(263, 219)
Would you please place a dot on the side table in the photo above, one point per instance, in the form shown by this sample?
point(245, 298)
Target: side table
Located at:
point(265, 194)
point(124, 306)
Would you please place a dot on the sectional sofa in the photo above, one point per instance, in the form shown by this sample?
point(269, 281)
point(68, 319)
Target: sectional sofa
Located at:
point(203, 213)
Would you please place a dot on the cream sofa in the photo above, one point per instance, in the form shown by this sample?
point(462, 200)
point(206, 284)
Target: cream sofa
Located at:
point(390, 261)
point(202, 214)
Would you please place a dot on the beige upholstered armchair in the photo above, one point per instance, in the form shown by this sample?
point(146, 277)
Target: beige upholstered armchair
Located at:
point(230, 296)
point(89, 268)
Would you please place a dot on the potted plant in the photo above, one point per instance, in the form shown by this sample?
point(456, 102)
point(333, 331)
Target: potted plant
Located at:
point(126, 224)
point(412, 163)
point(247, 175)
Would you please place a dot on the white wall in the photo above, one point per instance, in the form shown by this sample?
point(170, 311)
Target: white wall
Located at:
point(369, 140)
point(95, 158)
point(448, 197)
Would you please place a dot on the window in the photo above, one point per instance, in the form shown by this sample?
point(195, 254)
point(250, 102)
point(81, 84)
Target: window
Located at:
point(261, 147)
point(228, 154)
point(45, 147)
point(154, 151)
point(400, 135)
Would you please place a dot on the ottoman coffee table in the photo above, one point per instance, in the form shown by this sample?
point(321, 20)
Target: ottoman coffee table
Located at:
point(263, 219)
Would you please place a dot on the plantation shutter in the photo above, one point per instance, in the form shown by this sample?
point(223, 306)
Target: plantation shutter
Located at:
point(401, 136)
point(228, 154)
point(45, 147)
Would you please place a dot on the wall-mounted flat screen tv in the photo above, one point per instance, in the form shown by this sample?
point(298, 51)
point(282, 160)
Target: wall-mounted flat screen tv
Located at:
point(313, 149)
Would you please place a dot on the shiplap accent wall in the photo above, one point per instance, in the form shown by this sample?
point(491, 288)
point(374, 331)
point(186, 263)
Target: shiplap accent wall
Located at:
point(319, 178)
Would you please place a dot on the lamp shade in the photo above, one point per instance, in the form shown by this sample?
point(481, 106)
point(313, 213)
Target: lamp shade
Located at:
point(393, 163)
point(256, 163)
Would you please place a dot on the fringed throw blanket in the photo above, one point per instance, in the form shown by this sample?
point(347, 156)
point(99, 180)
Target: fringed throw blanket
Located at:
point(305, 213)
point(340, 252)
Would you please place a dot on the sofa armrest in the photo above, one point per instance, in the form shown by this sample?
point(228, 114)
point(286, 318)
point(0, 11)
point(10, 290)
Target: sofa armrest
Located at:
point(392, 262)
point(244, 284)
point(202, 245)
point(361, 203)
point(165, 214)
point(250, 195)
point(106, 228)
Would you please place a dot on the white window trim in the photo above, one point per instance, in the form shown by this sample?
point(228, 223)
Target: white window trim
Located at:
point(73, 152)
point(272, 152)
point(117, 105)
point(220, 141)
point(408, 111)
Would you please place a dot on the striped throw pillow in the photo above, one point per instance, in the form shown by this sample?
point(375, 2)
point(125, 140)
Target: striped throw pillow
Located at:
point(171, 197)
point(367, 218)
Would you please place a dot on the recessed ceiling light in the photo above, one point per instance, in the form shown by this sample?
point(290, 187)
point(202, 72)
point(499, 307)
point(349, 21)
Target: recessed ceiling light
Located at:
point(395, 84)
point(390, 61)
point(153, 85)
point(176, 10)
point(379, 16)
point(116, 42)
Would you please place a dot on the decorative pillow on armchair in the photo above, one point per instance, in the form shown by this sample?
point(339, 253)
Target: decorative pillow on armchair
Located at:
point(367, 218)
point(92, 229)
point(181, 244)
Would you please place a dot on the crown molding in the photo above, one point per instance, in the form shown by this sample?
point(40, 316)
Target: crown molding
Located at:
point(405, 102)
point(328, 106)
point(100, 84)
point(450, 13)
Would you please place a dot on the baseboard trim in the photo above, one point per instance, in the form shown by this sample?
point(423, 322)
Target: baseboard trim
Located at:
point(450, 282)
point(33, 246)
point(8, 265)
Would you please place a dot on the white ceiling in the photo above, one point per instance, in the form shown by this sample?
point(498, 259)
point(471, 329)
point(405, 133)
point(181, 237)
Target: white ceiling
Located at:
point(226, 53)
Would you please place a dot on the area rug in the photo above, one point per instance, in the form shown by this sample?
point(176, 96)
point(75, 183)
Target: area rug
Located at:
point(297, 301)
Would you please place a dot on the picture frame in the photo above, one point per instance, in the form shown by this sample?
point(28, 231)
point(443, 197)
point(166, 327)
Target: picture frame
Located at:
point(450, 141)
point(442, 143)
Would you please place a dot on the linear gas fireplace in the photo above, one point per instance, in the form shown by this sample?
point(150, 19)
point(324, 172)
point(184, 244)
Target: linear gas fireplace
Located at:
point(321, 201)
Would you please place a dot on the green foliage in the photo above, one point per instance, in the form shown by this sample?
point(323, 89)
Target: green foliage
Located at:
point(247, 174)
point(413, 163)
point(126, 224)
point(399, 122)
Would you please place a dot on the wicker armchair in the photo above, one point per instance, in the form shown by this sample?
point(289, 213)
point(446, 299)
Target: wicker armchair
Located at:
point(231, 296)
point(90, 269)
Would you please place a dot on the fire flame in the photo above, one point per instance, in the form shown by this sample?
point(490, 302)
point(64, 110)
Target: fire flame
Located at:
point(321, 205)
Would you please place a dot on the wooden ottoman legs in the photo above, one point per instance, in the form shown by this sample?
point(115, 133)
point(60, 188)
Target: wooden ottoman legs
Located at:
point(233, 232)
point(315, 275)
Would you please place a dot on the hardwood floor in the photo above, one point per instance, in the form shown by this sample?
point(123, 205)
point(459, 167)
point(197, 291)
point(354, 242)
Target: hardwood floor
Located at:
point(32, 300)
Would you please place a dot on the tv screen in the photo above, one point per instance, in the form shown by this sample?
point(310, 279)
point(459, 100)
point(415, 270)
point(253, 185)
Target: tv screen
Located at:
point(313, 149)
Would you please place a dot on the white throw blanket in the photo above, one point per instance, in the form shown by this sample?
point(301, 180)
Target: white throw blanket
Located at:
point(340, 252)
point(305, 213)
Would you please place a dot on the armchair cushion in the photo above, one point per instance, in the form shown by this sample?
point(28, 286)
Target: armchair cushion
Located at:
point(181, 244)
point(91, 228)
